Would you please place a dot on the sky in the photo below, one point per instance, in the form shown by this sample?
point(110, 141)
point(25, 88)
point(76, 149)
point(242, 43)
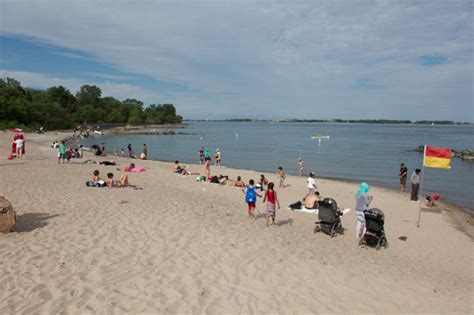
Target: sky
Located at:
point(222, 59)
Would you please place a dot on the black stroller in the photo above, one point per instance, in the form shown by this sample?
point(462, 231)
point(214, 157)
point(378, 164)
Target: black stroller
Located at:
point(329, 218)
point(375, 234)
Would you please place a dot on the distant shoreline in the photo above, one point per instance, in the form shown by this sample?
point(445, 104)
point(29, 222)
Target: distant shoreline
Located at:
point(344, 121)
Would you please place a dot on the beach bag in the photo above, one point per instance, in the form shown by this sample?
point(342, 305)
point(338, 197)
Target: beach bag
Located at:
point(250, 195)
point(296, 205)
point(7, 216)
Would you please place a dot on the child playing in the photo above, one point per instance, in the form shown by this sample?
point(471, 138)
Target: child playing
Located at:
point(281, 175)
point(272, 199)
point(250, 197)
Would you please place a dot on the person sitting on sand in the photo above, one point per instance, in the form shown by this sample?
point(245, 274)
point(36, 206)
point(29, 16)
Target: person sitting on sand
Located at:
point(431, 200)
point(96, 179)
point(239, 182)
point(112, 183)
point(128, 168)
point(181, 170)
point(311, 201)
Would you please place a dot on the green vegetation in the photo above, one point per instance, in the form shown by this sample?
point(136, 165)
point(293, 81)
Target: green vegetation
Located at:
point(57, 108)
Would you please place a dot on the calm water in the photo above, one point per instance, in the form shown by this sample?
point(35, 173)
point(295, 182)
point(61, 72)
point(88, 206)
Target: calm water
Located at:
point(371, 153)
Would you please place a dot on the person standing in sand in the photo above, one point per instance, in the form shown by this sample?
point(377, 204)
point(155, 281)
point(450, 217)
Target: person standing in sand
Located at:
point(301, 166)
point(19, 147)
point(62, 151)
point(250, 197)
point(281, 176)
point(311, 184)
point(201, 155)
point(207, 165)
point(403, 177)
point(271, 199)
point(362, 203)
point(130, 151)
point(145, 152)
point(415, 185)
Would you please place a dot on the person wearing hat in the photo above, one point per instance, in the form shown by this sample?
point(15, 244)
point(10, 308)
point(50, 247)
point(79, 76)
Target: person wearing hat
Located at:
point(218, 157)
point(311, 184)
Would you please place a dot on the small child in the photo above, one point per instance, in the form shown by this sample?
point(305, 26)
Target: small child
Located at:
point(251, 196)
point(282, 176)
point(271, 199)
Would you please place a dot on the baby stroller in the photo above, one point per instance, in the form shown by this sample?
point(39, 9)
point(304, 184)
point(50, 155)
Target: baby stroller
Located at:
point(329, 218)
point(375, 234)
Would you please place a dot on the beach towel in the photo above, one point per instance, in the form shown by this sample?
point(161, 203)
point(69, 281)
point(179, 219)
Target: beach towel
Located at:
point(135, 169)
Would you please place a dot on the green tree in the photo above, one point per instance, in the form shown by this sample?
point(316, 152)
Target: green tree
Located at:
point(89, 95)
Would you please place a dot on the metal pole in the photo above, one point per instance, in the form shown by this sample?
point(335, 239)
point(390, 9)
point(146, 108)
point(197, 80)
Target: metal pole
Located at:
point(421, 188)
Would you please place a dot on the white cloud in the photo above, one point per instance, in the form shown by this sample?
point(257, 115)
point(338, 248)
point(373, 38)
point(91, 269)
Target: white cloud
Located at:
point(281, 58)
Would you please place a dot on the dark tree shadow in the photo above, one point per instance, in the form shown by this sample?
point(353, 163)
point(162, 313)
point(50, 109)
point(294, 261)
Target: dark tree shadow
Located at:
point(288, 221)
point(31, 221)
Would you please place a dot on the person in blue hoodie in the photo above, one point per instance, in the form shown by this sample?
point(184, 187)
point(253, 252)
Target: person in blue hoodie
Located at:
point(251, 196)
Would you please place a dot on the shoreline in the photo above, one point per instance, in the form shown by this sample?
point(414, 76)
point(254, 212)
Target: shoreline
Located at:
point(467, 214)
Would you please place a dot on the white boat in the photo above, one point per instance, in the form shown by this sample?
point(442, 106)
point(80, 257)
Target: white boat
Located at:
point(319, 137)
point(98, 132)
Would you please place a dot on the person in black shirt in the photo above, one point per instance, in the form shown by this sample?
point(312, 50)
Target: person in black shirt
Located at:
point(403, 177)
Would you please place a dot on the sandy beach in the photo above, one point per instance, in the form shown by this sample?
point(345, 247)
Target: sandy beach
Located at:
point(183, 247)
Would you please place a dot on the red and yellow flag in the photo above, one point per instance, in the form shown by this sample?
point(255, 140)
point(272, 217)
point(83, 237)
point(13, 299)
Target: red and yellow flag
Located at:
point(437, 157)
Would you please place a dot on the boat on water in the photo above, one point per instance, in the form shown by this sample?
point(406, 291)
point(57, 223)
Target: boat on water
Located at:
point(319, 137)
point(98, 131)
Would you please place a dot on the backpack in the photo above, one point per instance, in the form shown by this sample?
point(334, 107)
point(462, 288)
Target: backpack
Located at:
point(250, 195)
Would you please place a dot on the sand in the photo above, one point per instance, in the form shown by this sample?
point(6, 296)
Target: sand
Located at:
point(183, 247)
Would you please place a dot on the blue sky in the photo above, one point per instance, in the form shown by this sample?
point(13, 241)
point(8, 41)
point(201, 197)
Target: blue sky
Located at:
point(279, 59)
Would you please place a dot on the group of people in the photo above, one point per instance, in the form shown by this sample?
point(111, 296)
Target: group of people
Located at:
point(109, 181)
point(205, 157)
point(67, 153)
point(130, 153)
point(415, 185)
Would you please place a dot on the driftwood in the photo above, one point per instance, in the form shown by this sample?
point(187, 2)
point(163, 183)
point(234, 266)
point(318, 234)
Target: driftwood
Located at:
point(7, 215)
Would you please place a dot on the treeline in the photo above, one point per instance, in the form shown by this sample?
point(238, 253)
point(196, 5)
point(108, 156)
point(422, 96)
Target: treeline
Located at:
point(58, 108)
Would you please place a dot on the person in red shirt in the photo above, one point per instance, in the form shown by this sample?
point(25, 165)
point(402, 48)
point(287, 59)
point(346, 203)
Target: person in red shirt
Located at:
point(431, 200)
point(272, 200)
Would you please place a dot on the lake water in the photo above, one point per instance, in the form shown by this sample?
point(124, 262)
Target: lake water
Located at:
point(354, 152)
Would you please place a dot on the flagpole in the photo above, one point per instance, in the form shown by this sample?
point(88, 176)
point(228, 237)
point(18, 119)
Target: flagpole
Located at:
point(420, 194)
